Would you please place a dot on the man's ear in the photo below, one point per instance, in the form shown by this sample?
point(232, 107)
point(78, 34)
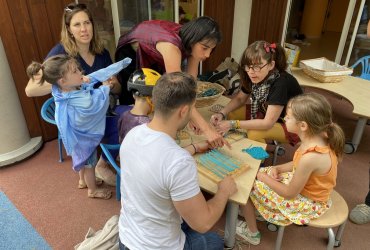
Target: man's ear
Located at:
point(183, 110)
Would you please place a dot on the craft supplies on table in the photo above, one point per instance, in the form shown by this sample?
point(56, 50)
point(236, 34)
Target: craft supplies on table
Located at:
point(216, 165)
point(256, 152)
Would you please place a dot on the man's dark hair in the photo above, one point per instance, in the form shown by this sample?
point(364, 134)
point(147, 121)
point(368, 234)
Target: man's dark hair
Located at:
point(173, 90)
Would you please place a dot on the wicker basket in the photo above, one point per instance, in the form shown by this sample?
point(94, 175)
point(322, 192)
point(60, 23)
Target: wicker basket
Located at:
point(208, 100)
point(324, 70)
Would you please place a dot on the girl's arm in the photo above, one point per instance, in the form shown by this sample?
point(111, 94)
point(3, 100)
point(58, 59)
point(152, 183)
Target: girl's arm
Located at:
point(272, 115)
point(34, 88)
point(306, 166)
point(239, 100)
point(283, 168)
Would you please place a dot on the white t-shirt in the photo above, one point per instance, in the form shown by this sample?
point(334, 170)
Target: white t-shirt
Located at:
point(154, 172)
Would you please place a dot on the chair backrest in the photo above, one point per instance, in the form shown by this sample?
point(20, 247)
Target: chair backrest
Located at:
point(48, 111)
point(365, 63)
point(106, 150)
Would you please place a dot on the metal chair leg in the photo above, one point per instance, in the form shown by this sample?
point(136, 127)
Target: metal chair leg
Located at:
point(60, 147)
point(331, 239)
point(338, 236)
point(279, 238)
point(118, 187)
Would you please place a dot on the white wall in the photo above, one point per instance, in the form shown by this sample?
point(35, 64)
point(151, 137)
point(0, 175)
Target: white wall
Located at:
point(242, 17)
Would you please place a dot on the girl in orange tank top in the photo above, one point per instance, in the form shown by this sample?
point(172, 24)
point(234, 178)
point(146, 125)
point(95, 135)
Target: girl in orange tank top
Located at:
point(298, 191)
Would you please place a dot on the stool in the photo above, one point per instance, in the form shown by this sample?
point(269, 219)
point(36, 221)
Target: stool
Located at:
point(336, 216)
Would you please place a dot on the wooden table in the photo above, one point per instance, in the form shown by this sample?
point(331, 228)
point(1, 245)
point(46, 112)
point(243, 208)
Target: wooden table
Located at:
point(355, 90)
point(244, 182)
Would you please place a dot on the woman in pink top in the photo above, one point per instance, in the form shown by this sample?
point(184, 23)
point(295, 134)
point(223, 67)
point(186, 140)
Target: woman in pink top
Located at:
point(298, 191)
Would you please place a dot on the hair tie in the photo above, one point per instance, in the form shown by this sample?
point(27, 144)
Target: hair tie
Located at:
point(270, 47)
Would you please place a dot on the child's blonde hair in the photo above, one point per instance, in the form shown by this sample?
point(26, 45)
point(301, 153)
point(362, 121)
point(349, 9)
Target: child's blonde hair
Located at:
point(315, 110)
point(53, 68)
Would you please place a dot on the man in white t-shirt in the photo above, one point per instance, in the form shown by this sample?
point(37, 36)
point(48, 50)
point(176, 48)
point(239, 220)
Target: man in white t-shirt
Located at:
point(162, 205)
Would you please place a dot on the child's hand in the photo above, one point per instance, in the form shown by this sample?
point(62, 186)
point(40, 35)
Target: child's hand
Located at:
point(223, 126)
point(261, 176)
point(274, 173)
point(85, 79)
point(108, 83)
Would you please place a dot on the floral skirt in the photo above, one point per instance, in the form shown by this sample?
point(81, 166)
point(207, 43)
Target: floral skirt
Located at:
point(280, 211)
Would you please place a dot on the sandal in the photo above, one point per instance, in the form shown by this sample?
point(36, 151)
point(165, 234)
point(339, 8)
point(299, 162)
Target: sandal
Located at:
point(82, 184)
point(100, 194)
point(104, 173)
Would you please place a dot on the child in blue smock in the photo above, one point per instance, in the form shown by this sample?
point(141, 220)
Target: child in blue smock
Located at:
point(79, 113)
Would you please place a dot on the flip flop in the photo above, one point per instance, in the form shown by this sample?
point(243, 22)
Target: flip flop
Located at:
point(100, 194)
point(82, 184)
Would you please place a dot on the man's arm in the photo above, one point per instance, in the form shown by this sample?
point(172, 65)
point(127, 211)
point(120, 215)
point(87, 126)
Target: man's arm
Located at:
point(200, 214)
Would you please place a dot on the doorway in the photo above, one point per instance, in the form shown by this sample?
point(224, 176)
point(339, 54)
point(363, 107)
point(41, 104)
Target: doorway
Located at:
point(316, 26)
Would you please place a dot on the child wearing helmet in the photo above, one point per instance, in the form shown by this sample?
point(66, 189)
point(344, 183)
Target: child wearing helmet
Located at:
point(141, 85)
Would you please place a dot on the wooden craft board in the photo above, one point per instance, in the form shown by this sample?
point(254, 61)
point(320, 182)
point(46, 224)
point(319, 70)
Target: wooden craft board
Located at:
point(215, 178)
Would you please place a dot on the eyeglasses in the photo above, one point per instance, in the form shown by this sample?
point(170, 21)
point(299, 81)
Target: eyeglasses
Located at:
point(71, 7)
point(256, 68)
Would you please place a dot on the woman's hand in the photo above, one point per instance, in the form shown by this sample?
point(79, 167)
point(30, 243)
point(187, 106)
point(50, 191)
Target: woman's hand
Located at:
point(216, 118)
point(223, 127)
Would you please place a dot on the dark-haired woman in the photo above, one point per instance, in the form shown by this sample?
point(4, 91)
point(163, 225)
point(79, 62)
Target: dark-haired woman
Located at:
point(268, 87)
point(169, 47)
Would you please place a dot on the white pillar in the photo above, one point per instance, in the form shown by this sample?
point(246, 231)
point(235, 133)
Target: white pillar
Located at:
point(15, 141)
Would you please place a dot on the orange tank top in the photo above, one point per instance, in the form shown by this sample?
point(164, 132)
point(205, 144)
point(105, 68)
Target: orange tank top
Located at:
point(319, 186)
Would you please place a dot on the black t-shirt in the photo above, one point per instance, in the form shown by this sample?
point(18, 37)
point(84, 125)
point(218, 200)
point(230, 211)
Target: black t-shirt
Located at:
point(281, 90)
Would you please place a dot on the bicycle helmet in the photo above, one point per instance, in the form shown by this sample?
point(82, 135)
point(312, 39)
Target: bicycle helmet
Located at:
point(142, 81)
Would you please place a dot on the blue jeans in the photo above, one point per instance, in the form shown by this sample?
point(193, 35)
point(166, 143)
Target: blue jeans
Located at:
point(195, 240)
point(198, 241)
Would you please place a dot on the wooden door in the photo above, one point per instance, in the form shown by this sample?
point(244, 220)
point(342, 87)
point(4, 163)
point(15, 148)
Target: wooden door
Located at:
point(223, 12)
point(29, 29)
point(267, 20)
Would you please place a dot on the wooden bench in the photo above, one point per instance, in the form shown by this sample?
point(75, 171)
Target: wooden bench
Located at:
point(336, 216)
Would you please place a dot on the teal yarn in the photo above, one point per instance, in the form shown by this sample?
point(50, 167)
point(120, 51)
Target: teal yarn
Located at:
point(256, 152)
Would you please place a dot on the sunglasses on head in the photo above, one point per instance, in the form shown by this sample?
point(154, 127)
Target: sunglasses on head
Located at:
point(71, 7)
